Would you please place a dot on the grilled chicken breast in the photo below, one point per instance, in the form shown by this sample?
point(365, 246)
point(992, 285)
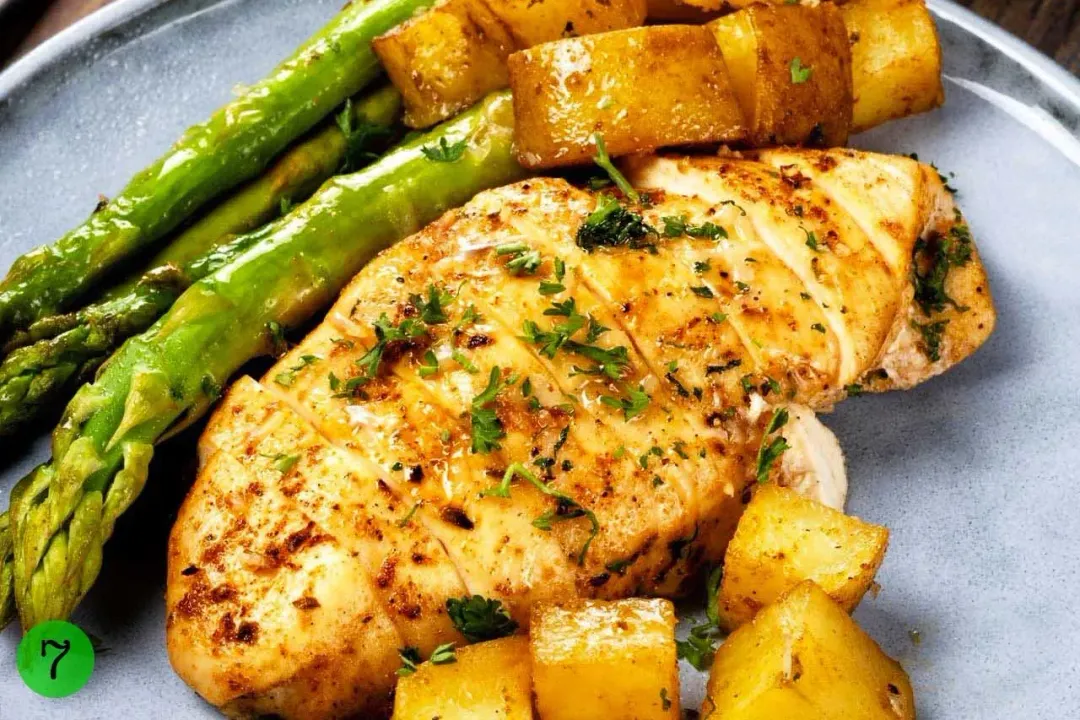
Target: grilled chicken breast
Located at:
point(492, 409)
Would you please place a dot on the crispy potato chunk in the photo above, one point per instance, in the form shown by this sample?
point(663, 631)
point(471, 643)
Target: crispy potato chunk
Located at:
point(804, 657)
point(488, 680)
point(790, 66)
point(598, 659)
point(641, 89)
point(451, 56)
point(446, 59)
point(784, 539)
point(896, 60)
point(538, 21)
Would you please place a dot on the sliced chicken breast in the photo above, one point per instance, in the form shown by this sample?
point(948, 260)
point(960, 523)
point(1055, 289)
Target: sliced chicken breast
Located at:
point(491, 408)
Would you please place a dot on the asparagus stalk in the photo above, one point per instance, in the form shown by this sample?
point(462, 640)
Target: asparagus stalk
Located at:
point(235, 144)
point(67, 349)
point(162, 380)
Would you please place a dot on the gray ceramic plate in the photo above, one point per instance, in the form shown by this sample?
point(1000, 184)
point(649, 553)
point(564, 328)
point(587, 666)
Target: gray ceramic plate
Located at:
point(974, 472)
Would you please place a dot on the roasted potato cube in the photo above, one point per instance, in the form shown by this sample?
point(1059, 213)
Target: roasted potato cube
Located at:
point(596, 660)
point(784, 539)
point(445, 59)
point(488, 680)
point(790, 66)
point(641, 89)
point(895, 60)
point(538, 21)
point(804, 657)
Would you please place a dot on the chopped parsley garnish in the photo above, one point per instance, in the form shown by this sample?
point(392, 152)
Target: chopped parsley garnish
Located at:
point(386, 333)
point(433, 309)
point(933, 259)
point(931, 334)
point(551, 288)
point(409, 516)
point(818, 327)
point(612, 225)
point(742, 287)
point(410, 658)
point(702, 291)
point(487, 429)
point(619, 567)
point(729, 365)
point(604, 161)
point(811, 240)
point(800, 73)
point(470, 317)
point(632, 405)
point(854, 390)
point(443, 654)
point(701, 266)
point(359, 137)
point(479, 618)
point(523, 259)
point(665, 701)
point(288, 377)
point(567, 508)
point(461, 359)
point(445, 151)
point(699, 647)
point(677, 226)
point(335, 382)
point(771, 450)
point(429, 364)
point(608, 361)
point(717, 317)
point(283, 463)
point(643, 461)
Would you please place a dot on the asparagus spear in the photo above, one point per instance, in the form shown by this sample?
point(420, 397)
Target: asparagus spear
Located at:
point(67, 349)
point(235, 144)
point(164, 379)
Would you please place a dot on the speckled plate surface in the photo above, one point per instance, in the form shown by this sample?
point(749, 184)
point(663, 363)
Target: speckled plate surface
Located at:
point(973, 472)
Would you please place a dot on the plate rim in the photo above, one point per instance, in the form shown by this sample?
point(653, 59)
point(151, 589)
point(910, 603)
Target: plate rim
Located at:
point(95, 25)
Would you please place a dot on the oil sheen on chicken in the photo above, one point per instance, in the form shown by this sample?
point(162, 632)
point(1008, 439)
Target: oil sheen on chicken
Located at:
point(341, 499)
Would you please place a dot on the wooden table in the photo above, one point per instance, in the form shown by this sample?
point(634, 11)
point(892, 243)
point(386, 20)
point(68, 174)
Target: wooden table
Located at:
point(1053, 26)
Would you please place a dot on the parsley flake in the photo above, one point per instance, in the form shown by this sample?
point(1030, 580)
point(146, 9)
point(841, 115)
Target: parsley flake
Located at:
point(445, 151)
point(800, 73)
point(479, 618)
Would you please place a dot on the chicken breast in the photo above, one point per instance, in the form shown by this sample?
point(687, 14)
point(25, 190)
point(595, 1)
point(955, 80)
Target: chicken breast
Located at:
point(493, 409)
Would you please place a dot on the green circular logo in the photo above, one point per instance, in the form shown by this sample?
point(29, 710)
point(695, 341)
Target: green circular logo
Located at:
point(55, 659)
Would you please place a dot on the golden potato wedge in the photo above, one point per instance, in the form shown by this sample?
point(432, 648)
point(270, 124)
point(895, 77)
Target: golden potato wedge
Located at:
point(790, 66)
point(538, 21)
point(895, 60)
point(641, 89)
point(783, 539)
point(488, 680)
point(446, 59)
point(804, 657)
point(596, 660)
